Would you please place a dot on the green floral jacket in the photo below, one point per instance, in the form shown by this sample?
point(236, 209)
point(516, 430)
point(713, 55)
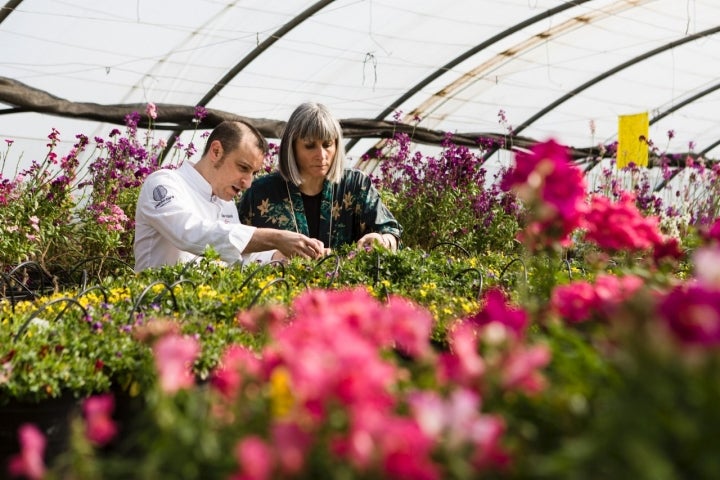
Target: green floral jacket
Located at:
point(355, 205)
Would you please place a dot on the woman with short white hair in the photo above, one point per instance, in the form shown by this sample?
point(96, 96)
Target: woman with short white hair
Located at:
point(313, 192)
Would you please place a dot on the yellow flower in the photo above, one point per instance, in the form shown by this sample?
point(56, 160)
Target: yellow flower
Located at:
point(281, 397)
point(118, 295)
point(205, 291)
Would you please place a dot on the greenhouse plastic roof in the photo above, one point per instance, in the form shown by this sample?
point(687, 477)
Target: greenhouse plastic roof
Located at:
point(544, 69)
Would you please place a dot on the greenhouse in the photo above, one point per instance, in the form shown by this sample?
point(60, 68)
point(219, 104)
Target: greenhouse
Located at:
point(359, 239)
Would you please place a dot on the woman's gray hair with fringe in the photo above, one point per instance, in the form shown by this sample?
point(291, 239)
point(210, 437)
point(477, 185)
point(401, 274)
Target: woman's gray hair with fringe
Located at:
point(311, 121)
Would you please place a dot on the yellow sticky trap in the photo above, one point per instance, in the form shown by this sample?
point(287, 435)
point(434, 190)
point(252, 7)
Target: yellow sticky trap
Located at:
point(633, 140)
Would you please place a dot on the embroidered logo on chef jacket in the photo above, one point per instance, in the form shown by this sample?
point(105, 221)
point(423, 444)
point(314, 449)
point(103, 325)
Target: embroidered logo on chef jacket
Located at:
point(227, 217)
point(160, 195)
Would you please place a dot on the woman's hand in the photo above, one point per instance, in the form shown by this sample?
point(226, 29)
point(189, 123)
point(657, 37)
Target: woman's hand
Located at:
point(386, 240)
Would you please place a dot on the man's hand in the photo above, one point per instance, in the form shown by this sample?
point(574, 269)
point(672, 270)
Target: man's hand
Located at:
point(293, 244)
point(290, 244)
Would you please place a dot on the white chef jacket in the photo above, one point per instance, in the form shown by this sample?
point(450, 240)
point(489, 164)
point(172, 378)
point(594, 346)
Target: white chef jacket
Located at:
point(178, 216)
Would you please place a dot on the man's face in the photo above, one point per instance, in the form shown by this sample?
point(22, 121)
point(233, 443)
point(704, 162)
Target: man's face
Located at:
point(233, 172)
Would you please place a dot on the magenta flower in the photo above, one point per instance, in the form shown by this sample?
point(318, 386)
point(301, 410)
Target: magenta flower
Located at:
point(580, 301)
point(497, 308)
point(29, 462)
point(200, 112)
point(574, 302)
point(174, 356)
point(99, 425)
point(712, 234)
point(692, 313)
point(620, 225)
point(406, 451)
point(553, 190)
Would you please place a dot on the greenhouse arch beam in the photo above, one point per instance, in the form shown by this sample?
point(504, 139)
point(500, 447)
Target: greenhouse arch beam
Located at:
point(468, 54)
point(684, 103)
point(8, 8)
point(605, 75)
point(262, 47)
point(705, 150)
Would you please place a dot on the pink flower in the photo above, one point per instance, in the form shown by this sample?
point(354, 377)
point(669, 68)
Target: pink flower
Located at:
point(706, 262)
point(454, 422)
point(291, 443)
point(29, 461)
point(463, 364)
point(151, 110)
point(34, 223)
point(520, 369)
point(99, 425)
point(611, 290)
point(254, 458)
point(174, 355)
point(489, 453)
point(236, 363)
point(410, 327)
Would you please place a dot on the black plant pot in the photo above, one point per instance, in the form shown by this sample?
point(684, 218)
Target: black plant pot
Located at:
point(52, 417)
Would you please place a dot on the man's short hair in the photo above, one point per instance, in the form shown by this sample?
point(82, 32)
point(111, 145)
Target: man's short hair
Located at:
point(230, 133)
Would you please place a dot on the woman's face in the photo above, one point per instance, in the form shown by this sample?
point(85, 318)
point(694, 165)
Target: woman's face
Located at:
point(314, 157)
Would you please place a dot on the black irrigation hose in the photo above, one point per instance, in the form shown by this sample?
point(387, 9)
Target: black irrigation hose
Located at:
point(102, 289)
point(146, 291)
point(452, 244)
point(9, 282)
point(335, 271)
point(479, 275)
point(181, 281)
point(262, 268)
point(33, 315)
point(84, 276)
point(569, 269)
point(270, 284)
point(515, 260)
point(43, 275)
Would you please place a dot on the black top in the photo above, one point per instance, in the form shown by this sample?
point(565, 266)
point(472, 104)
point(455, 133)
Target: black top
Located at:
point(312, 213)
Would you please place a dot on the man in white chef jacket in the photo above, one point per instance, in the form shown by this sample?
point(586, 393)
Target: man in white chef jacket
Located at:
point(180, 212)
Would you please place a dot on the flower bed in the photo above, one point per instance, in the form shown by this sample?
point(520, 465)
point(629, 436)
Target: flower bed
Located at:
point(587, 349)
